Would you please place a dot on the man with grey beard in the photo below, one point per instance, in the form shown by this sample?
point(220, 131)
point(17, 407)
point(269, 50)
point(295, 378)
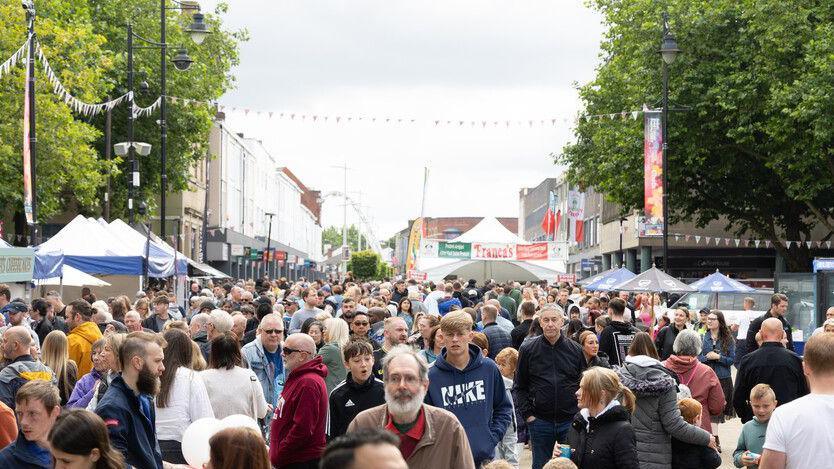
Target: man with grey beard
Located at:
point(127, 406)
point(430, 437)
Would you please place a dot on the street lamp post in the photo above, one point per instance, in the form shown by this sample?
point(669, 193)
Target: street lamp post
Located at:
point(198, 31)
point(269, 242)
point(668, 52)
point(29, 6)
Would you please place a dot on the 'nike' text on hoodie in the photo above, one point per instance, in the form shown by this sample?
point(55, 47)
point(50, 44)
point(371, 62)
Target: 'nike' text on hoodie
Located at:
point(476, 396)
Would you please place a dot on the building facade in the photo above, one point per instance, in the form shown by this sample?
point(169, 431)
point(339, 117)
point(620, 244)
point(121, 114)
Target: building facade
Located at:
point(246, 185)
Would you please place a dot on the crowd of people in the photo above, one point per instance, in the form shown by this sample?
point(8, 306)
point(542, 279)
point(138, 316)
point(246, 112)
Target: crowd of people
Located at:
point(399, 374)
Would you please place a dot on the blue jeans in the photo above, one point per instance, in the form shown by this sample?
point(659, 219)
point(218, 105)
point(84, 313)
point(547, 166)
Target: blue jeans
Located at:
point(543, 437)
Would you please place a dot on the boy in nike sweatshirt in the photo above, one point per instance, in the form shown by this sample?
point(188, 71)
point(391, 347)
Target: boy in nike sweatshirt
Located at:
point(470, 386)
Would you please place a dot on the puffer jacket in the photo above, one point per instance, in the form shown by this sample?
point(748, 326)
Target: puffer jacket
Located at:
point(657, 417)
point(607, 442)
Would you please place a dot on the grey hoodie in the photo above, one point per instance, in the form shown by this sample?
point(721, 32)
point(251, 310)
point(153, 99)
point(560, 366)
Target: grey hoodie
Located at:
point(657, 417)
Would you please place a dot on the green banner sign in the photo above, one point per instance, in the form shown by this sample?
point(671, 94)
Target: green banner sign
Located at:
point(454, 250)
point(255, 254)
point(16, 264)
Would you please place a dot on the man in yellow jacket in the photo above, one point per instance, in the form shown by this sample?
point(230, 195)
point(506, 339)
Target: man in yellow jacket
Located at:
point(83, 333)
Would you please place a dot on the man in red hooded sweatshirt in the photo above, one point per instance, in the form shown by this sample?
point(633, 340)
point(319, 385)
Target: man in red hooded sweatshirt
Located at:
point(296, 439)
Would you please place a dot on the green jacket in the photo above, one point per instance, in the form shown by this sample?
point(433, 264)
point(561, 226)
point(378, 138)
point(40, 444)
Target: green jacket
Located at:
point(508, 303)
point(752, 439)
point(331, 356)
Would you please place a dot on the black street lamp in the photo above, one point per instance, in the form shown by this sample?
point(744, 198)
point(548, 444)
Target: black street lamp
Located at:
point(668, 51)
point(198, 31)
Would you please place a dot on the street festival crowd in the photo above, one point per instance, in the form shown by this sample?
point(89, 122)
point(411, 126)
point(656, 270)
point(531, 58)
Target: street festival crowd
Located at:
point(394, 375)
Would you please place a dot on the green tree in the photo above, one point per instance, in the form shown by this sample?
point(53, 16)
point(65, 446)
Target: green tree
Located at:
point(188, 125)
point(332, 235)
point(757, 144)
point(69, 172)
point(365, 265)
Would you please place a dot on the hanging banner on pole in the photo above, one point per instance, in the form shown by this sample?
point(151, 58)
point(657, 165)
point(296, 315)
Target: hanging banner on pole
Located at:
point(652, 224)
point(414, 244)
point(27, 150)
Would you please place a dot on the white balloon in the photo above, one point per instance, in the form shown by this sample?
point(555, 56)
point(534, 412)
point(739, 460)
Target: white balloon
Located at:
point(195, 440)
point(240, 420)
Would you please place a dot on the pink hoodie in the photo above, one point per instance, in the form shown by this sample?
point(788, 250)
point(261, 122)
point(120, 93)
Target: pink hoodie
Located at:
point(702, 382)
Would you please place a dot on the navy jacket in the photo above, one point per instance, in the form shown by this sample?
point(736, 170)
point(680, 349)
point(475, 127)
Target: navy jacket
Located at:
point(477, 397)
point(547, 378)
point(497, 338)
point(131, 433)
point(25, 454)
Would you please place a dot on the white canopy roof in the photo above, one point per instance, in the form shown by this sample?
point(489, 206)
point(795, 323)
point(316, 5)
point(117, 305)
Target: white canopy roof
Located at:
point(489, 230)
point(500, 270)
point(73, 278)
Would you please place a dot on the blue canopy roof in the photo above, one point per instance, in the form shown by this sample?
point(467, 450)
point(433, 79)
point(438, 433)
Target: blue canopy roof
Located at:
point(720, 283)
point(604, 281)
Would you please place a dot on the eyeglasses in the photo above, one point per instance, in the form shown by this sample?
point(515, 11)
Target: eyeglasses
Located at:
point(286, 351)
point(273, 331)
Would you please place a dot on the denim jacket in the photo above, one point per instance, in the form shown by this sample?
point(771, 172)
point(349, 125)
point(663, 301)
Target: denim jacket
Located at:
point(255, 357)
point(723, 364)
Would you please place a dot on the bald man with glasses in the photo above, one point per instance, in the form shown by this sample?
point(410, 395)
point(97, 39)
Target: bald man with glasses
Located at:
point(297, 433)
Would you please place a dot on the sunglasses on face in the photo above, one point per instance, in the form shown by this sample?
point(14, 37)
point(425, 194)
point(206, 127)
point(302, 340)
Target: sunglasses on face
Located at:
point(286, 351)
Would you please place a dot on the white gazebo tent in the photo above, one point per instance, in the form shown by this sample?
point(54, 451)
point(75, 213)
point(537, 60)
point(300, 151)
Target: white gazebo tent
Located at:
point(490, 231)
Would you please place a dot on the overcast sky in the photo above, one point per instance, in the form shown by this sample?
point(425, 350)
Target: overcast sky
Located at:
point(481, 60)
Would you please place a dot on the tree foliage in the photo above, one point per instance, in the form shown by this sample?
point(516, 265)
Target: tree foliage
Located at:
point(366, 265)
point(188, 126)
point(333, 236)
point(85, 42)
point(756, 146)
point(69, 171)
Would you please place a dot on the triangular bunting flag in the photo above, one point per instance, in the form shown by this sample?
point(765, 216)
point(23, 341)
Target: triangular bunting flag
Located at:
point(697, 239)
point(828, 244)
point(756, 242)
point(767, 243)
point(737, 241)
point(788, 244)
point(808, 243)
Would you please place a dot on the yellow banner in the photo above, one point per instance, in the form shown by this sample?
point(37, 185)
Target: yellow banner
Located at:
point(414, 244)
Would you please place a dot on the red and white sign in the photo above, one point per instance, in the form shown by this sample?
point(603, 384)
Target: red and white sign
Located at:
point(569, 278)
point(532, 252)
point(493, 251)
point(417, 275)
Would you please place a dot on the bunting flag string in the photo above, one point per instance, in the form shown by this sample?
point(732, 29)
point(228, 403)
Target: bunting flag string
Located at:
point(77, 105)
point(400, 120)
point(10, 63)
point(750, 242)
point(145, 111)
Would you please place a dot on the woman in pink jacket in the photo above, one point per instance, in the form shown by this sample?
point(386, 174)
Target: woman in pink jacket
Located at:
point(701, 380)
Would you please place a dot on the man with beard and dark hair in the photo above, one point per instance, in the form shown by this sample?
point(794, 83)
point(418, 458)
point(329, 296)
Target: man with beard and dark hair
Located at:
point(127, 407)
point(429, 436)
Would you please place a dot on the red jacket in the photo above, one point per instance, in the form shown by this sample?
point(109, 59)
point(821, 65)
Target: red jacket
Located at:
point(703, 383)
point(297, 429)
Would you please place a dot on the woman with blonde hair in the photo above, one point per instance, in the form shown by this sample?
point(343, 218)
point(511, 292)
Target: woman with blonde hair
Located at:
point(605, 415)
point(336, 335)
point(55, 355)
